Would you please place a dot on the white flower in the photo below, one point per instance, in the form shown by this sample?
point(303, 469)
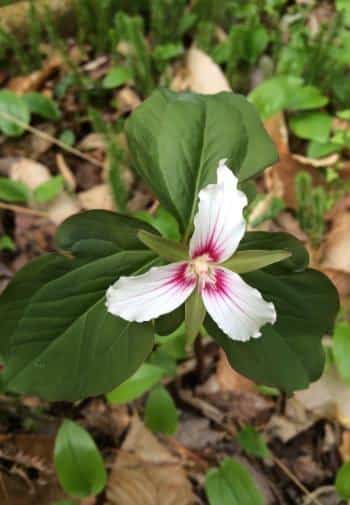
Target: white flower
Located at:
point(238, 309)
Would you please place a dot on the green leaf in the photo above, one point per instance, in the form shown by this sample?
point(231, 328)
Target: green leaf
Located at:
point(143, 379)
point(167, 52)
point(67, 137)
point(285, 92)
point(312, 126)
point(42, 105)
point(252, 442)
point(341, 350)
point(78, 462)
point(117, 77)
point(177, 140)
point(344, 114)
point(163, 247)
point(174, 344)
point(342, 481)
point(163, 222)
point(319, 150)
point(12, 105)
point(289, 354)
point(161, 358)
point(194, 316)
point(231, 484)
point(272, 95)
point(49, 190)
point(168, 323)
point(13, 191)
point(305, 98)
point(160, 413)
point(7, 244)
point(247, 261)
point(100, 232)
point(299, 258)
point(58, 340)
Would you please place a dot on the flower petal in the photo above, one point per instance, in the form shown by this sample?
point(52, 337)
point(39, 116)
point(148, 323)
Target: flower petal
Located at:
point(219, 224)
point(238, 309)
point(150, 295)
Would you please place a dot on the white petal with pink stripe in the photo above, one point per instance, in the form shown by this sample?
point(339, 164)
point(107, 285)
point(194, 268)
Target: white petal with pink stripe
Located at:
point(150, 295)
point(219, 224)
point(238, 309)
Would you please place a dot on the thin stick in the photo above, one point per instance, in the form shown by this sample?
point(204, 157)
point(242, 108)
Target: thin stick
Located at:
point(23, 210)
point(3, 487)
point(52, 139)
point(296, 481)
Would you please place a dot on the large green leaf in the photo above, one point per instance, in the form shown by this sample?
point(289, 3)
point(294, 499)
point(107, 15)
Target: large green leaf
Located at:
point(177, 140)
point(59, 341)
point(289, 354)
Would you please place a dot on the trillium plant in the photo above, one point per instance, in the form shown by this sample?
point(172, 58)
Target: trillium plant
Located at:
point(80, 321)
point(204, 276)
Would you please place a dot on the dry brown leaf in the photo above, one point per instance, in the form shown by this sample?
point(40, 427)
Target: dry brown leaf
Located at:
point(337, 245)
point(127, 99)
point(280, 178)
point(34, 81)
point(328, 397)
point(196, 433)
point(62, 207)
point(98, 197)
point(230, 380)
point(294, 421)
point(33, 174)
point(146, 473)
point(277, 129)
point(92, 141)
point(317, 162)
point(344, 447)
point(204, 75)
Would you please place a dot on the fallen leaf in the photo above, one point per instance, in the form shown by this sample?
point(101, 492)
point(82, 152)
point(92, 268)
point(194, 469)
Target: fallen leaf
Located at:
point(34, 81)
point(204, 75)
point(337, 244)
point(280, 178)
point(146, 473)
point(34, 174)
point(98, 197)
point(328, 397)
point(317, 162)
point(294, 421)
point(230, 380)
point(344, 447)
point(277, 129)
point(197, 434)
point(127, 100)
point(92, 141)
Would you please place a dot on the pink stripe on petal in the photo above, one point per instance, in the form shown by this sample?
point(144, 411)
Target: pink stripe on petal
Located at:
point(238, 309)
point(150, 295)
point(219, 224)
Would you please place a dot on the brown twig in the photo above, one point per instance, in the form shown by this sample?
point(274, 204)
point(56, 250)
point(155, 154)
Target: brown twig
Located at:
point(50, 138)
point(4, 490)
point(294, 478)
point(23, 210)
